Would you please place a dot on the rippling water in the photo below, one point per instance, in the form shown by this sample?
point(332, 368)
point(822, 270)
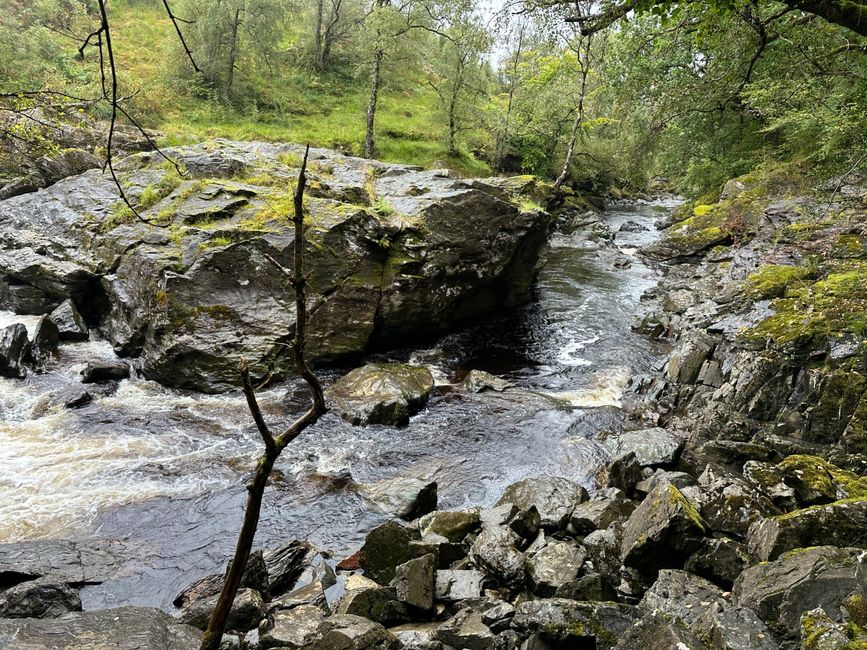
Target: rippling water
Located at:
point(164, 469)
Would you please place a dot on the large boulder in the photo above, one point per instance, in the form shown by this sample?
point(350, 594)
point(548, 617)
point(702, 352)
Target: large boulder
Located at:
point(381, 393)
point(496, 551)
point(842, 523)
point(385, 548)
point(553, 566)
point(801, 580)
point(654, 446)
point(127, 628)
point(248, 609)
point(562, 621)
point(662, 532)
point(400, 253)
point(553, 497)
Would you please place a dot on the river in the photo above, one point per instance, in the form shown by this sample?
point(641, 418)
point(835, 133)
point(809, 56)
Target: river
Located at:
point(163, 470)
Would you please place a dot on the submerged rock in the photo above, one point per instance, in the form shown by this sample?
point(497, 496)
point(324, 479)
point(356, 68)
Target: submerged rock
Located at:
point(403, 497)
point(381, 393)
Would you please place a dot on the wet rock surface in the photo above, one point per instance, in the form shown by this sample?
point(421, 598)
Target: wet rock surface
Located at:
point(442, 251)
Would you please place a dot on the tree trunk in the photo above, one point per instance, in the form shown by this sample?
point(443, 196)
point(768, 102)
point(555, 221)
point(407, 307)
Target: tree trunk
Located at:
point(503, 136)
point(273, 446)
point(453, 105)
point(375, 80)
point(233, 53)
point(579, 117)
point(317, 36)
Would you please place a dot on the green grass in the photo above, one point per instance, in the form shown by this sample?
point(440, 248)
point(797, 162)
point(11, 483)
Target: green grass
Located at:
point(326, 111)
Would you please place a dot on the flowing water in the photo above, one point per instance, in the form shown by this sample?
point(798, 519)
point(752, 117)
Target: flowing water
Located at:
point(164, 470)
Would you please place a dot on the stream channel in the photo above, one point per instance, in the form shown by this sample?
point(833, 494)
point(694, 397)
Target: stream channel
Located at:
point(162, 471)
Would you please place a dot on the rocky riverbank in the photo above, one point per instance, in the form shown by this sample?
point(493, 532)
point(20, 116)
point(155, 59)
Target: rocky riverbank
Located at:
point(731, 514)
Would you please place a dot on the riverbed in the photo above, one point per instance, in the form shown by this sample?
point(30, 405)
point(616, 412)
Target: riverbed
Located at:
point(163, 470)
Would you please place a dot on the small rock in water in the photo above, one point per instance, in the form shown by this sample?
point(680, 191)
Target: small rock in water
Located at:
point(403, 497)
point(633, 226)
point(46, 340)
point(478, 381)
point(381, 393)
point(99, 371)
point(14, 351)
point(70, 323)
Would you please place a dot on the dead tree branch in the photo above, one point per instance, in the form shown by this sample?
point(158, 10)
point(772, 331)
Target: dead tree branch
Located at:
point(274, 445)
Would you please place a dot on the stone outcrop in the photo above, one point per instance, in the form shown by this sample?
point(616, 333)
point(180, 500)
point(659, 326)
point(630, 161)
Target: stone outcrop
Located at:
point(398, 252)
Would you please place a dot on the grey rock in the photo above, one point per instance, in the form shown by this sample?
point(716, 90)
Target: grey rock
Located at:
point(735, 628)
point(44, 346)
point(375, 603)
point(524, 521)
point(654, 446)
point(466, 630)
point(385, 548)
point(478, 381)
point(70, 323)
point(414, 582)
point(62, 560)
point(685, 363)
point(820, 632)
point(624, 473)
point(658, 630)
point(291, 628)
point(593, 586)
point(679, 480)
point(127, 628)
point(381, 393)
point(42, 598)
point(285, 565)
point(555, 498)
point(348, 632)
point(454, 526)
point(248, 609)
point(496, 551)
point(681, 595)
point(454, 585)
point(842, 523)
point(561, 621)
point(498, 616)
point(556, 564)
point(720, 560)
point(598, 513)
point(14, 351)
point(603, 549)
point(417, 636)
point(403, 497)
point(729, 504)
point(662, 532)
point(100, 371)
point(801, 580)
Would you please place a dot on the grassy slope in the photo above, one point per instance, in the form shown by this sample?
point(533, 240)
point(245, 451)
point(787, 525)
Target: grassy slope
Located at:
point(327, 111)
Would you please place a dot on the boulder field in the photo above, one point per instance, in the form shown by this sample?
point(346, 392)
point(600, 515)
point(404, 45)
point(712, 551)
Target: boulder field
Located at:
point(395, 253)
